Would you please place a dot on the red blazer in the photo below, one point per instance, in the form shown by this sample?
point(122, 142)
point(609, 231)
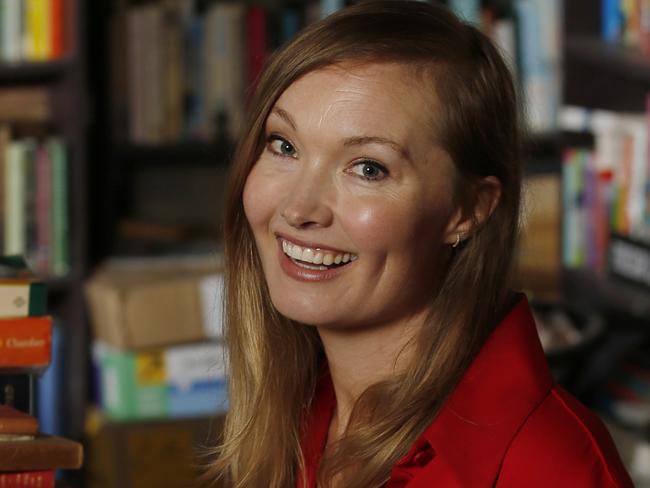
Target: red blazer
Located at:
point(505, 425)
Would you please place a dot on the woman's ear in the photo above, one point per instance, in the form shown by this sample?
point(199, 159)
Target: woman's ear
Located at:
point(468, 217)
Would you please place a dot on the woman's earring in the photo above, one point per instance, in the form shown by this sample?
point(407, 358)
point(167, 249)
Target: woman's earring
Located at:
point(455, 244)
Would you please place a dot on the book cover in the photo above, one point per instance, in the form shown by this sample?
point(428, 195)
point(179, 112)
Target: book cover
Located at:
point(25, 342)
point(28, 479)
point(42, 453)
point(22, 298)
point(13, 421)
point(15, 195)
point(59, 218)
point(29, 104)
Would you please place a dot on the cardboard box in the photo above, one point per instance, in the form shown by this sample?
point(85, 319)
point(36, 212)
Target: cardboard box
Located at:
point(142, 303)
point(180, 381)
point(164, 454)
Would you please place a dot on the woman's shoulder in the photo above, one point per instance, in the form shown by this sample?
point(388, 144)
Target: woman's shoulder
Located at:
point(562, 444)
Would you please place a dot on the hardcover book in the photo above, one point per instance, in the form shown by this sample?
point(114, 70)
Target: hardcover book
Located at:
point(25, 342)
point(44, 452)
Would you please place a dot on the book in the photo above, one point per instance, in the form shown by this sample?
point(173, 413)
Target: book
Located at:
point(25, 342)
point(13, 421)
point(59, 218)
point(10, 30)
point(28, 479)
point(25, 104)
point(257, 49)
point(44, 452)
point(22, 298)
point(17, 390)
point(15, 188)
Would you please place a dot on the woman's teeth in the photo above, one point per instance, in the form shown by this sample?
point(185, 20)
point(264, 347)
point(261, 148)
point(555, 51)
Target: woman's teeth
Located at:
point(315, 256)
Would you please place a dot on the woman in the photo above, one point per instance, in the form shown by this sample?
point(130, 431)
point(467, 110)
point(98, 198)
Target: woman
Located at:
point(371, 220)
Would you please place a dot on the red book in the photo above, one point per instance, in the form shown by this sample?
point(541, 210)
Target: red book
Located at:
point(27, 479)
point(57, 29)
point(14, 421)
point(25, 342)
point(256, 26)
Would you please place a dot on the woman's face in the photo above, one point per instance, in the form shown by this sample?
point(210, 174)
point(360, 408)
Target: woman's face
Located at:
point(350, 201)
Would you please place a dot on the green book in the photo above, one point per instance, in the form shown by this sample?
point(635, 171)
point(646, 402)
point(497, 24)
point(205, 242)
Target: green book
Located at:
point(59, 241)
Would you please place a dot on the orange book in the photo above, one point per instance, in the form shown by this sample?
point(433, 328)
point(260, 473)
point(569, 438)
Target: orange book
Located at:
point(25, 342)
point(14, 421)
point(57, 29)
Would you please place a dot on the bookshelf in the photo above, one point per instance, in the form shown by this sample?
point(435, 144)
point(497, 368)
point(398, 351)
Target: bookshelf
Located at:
point(64, 79)
point(595, 75)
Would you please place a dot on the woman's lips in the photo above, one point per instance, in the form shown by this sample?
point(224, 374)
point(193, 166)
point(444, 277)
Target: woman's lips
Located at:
point(310, 271)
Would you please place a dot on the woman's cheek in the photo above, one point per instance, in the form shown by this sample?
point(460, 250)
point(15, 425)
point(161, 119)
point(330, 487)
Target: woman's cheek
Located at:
point(258, 197)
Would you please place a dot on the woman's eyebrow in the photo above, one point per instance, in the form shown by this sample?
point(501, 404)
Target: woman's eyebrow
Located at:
point(362, 140)
point(284, 115)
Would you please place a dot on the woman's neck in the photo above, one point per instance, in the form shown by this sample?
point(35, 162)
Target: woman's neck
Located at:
point(361, 357)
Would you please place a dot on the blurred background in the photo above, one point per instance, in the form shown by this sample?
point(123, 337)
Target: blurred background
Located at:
point(117, 122)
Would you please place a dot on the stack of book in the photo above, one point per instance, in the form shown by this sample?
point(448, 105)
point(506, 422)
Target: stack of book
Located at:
point(27, 457)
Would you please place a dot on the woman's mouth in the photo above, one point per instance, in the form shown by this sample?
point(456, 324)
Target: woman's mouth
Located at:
point(316, 259)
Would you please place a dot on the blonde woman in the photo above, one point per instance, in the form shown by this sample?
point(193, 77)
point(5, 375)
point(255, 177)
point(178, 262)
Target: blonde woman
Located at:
point(371, 221)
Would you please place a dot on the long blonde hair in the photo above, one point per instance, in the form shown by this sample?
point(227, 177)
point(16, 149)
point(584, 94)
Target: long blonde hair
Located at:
point(274, 363)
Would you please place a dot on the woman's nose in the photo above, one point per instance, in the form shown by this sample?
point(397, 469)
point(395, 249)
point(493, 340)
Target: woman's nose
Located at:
point(307, 204)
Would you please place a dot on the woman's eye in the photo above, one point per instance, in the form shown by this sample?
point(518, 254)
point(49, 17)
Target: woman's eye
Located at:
point(370, 170)
point(280, 146)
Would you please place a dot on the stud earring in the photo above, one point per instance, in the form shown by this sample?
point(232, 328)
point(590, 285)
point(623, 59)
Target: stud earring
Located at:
point(455, 244)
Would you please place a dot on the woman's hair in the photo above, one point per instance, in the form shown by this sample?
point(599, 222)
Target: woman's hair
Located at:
point(274, 362)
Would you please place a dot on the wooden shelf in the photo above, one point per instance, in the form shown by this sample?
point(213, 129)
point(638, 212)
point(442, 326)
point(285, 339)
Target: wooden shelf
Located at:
point(608, 57)
point(34, 71)
point(590, 290)
point(180, 153)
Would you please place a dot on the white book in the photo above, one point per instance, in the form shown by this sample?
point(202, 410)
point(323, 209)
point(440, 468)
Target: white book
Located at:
point(11, 31)
point(15, 193)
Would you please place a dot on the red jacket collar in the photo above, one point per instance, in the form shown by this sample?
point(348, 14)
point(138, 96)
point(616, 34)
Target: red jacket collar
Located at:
point(505, 382)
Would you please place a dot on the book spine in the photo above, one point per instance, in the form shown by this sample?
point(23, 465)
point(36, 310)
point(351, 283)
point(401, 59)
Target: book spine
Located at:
point(468, 10)
point(256, 23)
point(5, 139)
point(28, 479)
point(57, 40)
point(611, 20)
point(328, 7)
point(17, 389)
point(22, 299)
point(14, 193)
point(60, 260)
point(15, 422)
point(11, 31)
point(644, 26)
point(25, 342)
point(42, 211)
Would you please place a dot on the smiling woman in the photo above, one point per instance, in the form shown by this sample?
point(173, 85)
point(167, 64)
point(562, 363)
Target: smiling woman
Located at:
point(371, 220)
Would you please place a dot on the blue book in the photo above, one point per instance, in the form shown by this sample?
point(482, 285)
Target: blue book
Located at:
point(49, 387)
point(468, 10)
point(612, 20)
